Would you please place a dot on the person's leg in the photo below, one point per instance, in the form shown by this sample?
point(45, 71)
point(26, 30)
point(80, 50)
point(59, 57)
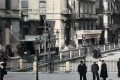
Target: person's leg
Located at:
point(118, 73)
point(1, 78)
point(104, 78)
point(84, 77)
point(93, 76)
point(97, 76)
point(80, 76)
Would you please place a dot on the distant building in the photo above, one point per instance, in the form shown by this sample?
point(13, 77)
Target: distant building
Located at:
point(9, 23)
point(76, 21)
point(109, 21)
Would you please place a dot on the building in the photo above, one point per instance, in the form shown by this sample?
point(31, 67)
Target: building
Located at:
point(9, 25)
point(34, 23)
point(75, 20)
point(109, 12)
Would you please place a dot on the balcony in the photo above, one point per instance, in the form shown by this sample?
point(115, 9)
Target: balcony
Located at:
point(12, 14)
point(9, 14)
point(86, 16)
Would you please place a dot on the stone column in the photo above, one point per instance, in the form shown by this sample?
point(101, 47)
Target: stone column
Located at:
point(105, 20)
point(7, 38)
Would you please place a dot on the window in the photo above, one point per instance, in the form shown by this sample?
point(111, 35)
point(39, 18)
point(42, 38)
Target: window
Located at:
point(24, 4)
point(7, 4)
point(83, 25)
point(42, 6)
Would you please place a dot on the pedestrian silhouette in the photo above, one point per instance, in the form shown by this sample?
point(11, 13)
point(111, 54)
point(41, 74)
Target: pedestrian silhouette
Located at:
point(95, 69)
point(2, 70)
point(103, 72)
point(118, 66)
point(95, 54)
point(82, 70)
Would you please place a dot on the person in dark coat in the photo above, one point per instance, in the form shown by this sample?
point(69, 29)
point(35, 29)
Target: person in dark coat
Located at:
point(103, 72)
point(95, 54)
point(1, 71)
point(118, 66)
point(95, 69)
point(99, 53)
point(82, 70)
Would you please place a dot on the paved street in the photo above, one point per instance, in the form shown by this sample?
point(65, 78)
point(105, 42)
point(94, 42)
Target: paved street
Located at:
point(54, 76)
point(62, 76)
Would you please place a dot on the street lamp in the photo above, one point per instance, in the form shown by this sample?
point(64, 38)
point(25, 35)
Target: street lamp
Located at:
point(49, 52)
point(84, 45)
point(36, 43)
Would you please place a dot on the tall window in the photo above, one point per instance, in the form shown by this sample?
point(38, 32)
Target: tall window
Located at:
point(24, 4)
point(7, 4)
point(42, 6)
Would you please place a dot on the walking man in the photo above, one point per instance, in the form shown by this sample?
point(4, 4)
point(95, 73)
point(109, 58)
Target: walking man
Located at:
point(1, 71)
point(82, 70)
point(118, 66)
point(95, 69)
point(103, 72)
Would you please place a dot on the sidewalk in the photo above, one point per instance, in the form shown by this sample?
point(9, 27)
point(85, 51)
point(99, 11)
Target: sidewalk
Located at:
point(53, 76)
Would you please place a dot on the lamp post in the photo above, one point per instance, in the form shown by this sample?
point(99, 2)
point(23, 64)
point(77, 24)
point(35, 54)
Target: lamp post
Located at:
point(36, 43)
point(49, 52)
point(84, 45)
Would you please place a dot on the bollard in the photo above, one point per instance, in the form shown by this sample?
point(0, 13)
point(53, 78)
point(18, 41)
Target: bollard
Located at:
point(34, 66)
point(70, 54)
point(104, 48)
point(60, 55)
point(21, 63)
point(67, 68)
point(79, 53)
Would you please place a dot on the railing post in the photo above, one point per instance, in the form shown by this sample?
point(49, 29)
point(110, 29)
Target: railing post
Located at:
point(114, 45)
point(34, 66)
point(119, 45)
point(67, 68)
point(60, 55)
point(79, 53)
point(21, 63)
point(109, 46)
point(70, 54)
point(104, 47)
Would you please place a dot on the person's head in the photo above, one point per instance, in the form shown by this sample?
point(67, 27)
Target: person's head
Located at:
point(102, 61)
point(81, 62)
point(99, 59)
point(94, 62)
point(119, 58)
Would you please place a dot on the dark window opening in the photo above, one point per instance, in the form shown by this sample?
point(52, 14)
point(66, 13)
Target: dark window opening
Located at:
point(7, 4)
point(40, 31)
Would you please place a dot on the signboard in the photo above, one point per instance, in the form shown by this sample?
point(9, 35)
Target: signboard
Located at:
point(31, 37)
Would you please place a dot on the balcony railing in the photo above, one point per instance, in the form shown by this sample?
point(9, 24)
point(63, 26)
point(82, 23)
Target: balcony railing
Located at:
point(86, 16)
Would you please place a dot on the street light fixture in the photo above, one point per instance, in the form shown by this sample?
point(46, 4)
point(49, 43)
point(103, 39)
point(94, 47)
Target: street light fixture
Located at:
point(36, 43)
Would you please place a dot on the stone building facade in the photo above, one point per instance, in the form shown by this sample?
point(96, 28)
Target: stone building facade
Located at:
point(9, 24)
